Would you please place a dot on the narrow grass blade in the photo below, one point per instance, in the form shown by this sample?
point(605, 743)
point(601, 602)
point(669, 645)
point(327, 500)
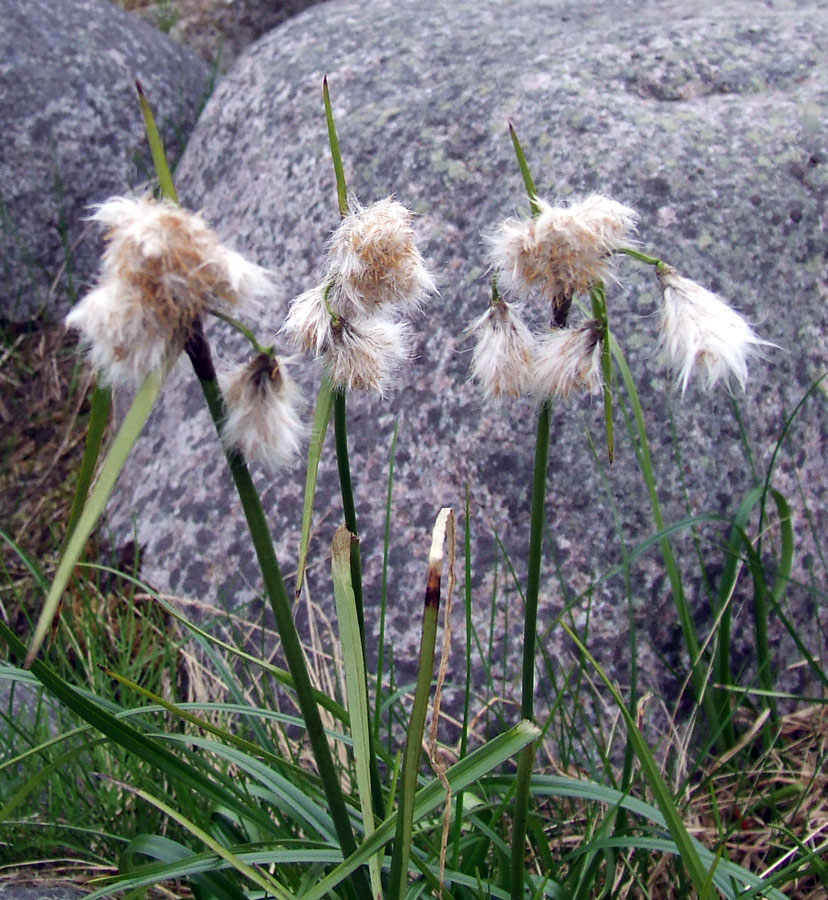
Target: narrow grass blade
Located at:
point(464, 734)
point(113, 464)
point(686, 848)
point(199, 721)
point(159, 157)
point(281, 675)
point(176, 861)
point(98, 420)
point(691, 642)
point(350, 640)
point(461, 775)
point(321, 419)
point(43, 774)
point(213, 885)
point(339, 169)
point(257, 876)
point(524, 171)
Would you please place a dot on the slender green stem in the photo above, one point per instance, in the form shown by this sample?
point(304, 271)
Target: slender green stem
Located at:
point(349, 512)
point(341, 437)
point(530, 628)
point(346, 488)
point(598, 296)
point(198, 351)
point(414, 741)
point(243, 329)
point(682, 606)
point(642, 257)
point(527, 703)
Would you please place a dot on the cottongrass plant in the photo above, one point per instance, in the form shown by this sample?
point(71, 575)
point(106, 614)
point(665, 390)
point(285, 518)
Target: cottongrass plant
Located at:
point(358, 823)
point(557, 255)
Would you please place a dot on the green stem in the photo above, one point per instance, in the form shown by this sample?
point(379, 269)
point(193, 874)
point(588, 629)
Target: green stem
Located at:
point(346, 488)
point(198, 351)
point(349, 512)
point(642, 257)
point(242, 329)
point(682, 606)
point(527, 705)
point(598, 296)
point(530, 628)
point(414, 741)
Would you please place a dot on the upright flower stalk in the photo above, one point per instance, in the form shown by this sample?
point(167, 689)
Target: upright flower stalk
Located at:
point(266, 371)
point(353, 321)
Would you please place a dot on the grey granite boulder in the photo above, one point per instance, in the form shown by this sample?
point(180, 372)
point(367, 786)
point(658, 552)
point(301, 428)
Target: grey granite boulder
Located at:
point(72, 135)
point(711, 121)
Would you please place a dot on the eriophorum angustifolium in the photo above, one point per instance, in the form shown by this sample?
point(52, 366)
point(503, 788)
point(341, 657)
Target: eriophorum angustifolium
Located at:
point(354, 318)
point(164, 270)
point(569, 251)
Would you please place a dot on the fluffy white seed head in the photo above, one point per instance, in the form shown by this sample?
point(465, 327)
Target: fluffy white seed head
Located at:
point(308, 322)
point(262, 420)
point(365, 354)
point(503, 354)
point(700, 330)
point(162, 270)
point(374, 261)
point(568, 360)
point(564, 250)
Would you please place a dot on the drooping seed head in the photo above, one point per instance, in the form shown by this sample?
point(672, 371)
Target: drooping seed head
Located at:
point(700, 330)
point(503, 354)
point(365, 354)
point(262, 419)
point(569, 360)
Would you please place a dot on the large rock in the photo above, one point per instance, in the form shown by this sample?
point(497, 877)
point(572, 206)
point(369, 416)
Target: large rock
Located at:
point(712, 125)
point(73, 135)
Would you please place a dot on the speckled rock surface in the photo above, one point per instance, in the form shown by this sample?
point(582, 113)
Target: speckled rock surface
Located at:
point(711, 123)
point(73, 134)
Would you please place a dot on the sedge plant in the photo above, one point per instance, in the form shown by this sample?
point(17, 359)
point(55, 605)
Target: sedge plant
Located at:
point(275, 826)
